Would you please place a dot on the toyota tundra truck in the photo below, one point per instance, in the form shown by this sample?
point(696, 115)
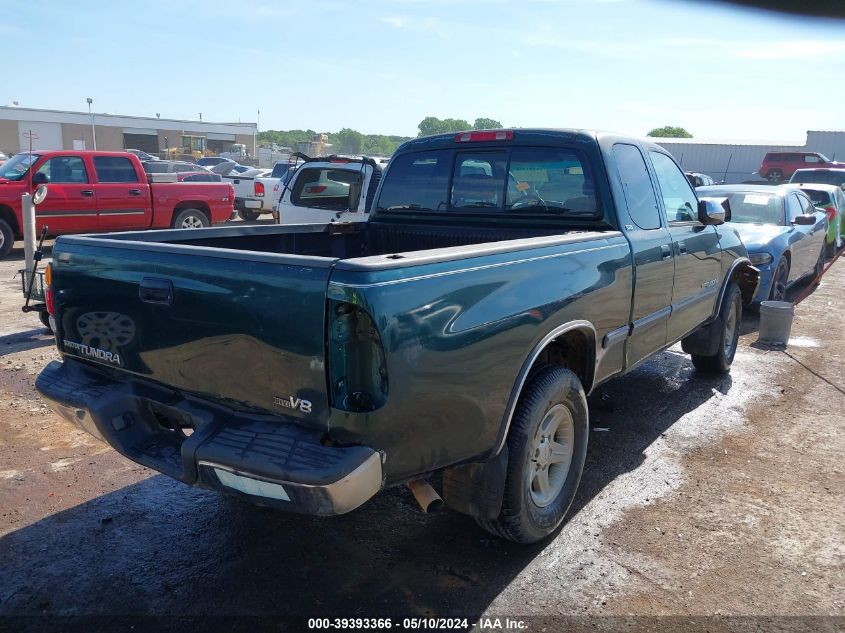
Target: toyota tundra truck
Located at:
point(451, 340)
point(102, 191)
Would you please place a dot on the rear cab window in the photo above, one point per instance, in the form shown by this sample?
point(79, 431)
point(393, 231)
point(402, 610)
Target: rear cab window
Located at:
point(544, 182)
point(327, 188)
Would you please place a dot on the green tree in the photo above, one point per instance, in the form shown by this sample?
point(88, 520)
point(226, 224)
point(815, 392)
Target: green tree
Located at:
point(483, 123)
point(347, 141)
point(669, 131)
point(432, 125)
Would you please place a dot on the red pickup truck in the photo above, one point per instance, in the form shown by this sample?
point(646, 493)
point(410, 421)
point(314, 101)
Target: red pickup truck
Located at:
point(103, 191)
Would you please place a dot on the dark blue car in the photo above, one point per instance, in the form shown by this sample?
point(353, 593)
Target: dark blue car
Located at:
point(782, 230)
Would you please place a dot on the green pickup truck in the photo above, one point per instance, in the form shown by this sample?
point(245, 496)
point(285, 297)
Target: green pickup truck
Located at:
point(501, 277)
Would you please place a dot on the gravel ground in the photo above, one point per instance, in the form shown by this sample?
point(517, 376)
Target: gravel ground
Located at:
point(701, 497)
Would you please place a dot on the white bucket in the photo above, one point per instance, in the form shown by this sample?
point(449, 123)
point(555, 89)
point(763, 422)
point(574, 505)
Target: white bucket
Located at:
point(775, 322)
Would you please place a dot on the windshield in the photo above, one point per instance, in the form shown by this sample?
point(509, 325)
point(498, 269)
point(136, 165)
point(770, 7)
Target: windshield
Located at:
point(819, 198)
point(752, 207)
point(16, 167)
point(819, 176)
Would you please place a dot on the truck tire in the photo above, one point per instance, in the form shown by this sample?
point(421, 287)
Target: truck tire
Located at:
point(7, 239)
point(190, 219)
point(547, 445)
point(44, 317)
point(774, 176)
point(730, 315)
point(248, 214)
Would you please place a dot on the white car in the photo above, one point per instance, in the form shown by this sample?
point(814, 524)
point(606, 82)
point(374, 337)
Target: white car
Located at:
point(250, 198)
point(329, 189)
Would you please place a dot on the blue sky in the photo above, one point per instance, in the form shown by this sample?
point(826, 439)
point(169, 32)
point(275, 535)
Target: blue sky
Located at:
point(381, 67)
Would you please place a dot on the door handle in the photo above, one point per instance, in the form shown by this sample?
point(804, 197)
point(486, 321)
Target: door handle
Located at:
point(134, 192)
point(665, 251)
point(682, 248)
point(156, 291)
point(87, 192)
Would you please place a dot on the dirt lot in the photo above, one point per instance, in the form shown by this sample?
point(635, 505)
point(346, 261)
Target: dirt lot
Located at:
point(701, 497)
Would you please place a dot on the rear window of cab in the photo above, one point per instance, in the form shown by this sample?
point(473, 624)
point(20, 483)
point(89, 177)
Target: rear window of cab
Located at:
point(548, 181)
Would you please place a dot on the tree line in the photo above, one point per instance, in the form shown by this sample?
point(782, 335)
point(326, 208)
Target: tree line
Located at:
point(349, 141)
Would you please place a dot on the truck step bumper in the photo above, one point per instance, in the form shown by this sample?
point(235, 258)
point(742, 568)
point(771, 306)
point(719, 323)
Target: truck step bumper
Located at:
point(264, 458)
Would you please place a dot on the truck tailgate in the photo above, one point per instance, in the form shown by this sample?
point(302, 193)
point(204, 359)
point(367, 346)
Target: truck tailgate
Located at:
point(228, 325)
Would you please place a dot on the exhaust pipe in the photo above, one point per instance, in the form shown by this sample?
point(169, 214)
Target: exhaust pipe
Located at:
point(425, 495)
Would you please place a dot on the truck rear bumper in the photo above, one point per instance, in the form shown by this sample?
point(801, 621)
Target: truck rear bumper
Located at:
point(261, 457)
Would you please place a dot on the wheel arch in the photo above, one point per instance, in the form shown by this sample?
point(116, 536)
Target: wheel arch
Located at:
point(199, 205)
point(745, 275)
point(571, 345)
point(8, 215)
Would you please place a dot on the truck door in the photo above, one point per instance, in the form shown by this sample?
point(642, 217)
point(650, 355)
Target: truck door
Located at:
point(698, 257)
point(70, 206)
point(651, 246)
point(123, 196)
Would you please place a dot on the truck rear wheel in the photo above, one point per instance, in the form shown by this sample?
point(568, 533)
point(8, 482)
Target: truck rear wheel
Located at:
point(547, 445)
point(248, 214)
point(7, 238)
point(190, 219)
point(730, 316)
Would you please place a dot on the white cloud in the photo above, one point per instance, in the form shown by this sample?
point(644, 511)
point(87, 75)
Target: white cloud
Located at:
point(396, 21)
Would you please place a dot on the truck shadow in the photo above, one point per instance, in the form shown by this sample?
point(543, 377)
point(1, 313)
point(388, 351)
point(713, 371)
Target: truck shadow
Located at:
point(160, 548)
point(27, 340)
point(17, 252)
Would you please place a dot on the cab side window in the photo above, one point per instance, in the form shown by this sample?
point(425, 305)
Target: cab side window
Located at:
point(678, 197)
point(794, 207)
point(114, 169)
point(65, 170)
point(636, 185)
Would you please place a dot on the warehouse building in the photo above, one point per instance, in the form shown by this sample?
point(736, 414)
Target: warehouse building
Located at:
point(737, 161)
point(59, 129)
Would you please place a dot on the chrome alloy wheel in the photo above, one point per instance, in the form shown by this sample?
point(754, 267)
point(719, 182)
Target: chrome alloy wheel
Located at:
point(191, 222)
point(551, 454)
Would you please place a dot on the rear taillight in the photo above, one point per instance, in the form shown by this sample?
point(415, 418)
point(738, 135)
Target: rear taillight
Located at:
point(315, 189)
point(831, 213)
point(357, 369)
point(258, 187)
point(484, 135)
point(48, 288)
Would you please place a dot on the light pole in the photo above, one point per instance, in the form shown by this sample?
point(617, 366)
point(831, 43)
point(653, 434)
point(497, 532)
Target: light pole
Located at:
point(93, 129)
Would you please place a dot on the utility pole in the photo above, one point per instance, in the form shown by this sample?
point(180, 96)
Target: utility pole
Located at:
point(93, 129)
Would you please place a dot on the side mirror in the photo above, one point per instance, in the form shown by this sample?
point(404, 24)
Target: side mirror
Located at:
point(39, 195)
point(808, 219)
point(40, 178)
point(714, 211)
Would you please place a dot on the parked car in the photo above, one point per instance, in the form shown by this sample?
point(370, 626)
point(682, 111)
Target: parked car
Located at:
point(198, 176)
point(249, 193)
point(456, 333)
point(829, 176)
point(211, 161)
point(170, 167)
point(329, 189)
point(142, 155)
point(226, 168)
point(699, 180)
point(779, 166)
point(102, 191)
point(829, 199)
point(782, 230)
